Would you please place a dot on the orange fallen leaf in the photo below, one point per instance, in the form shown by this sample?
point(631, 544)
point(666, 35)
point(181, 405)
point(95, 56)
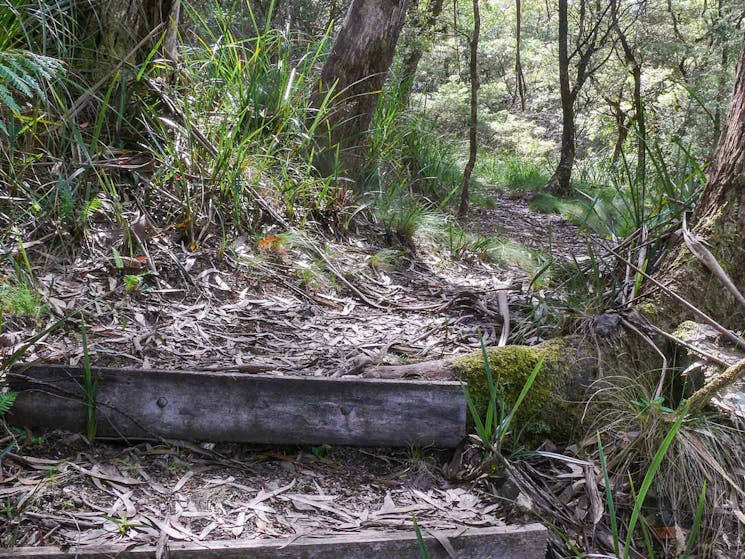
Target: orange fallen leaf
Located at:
point(268, 241)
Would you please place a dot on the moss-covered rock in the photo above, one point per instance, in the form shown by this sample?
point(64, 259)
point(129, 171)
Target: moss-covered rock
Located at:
point(553, 406)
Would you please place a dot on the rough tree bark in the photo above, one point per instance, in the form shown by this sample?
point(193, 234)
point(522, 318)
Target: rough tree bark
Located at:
point(356, 70)
point(473, 128)
point(121, 24)
point(720, 38)
point(719, 220)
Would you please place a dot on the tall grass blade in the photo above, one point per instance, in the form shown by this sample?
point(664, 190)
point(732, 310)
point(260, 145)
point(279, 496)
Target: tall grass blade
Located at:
point(693, 535)
point(424, 553)
point(504, 428)
point(649, 476)
point(609, 498)
point(491, 410)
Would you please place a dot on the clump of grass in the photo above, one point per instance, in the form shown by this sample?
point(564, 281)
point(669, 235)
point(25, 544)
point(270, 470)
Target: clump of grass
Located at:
point(513, 172)
point(403, 217)
point(462, 245)
point(676, 465)
point(405, 149)
point(240, 148)
point(513, 253)
point(544, 202)
point(431, 161)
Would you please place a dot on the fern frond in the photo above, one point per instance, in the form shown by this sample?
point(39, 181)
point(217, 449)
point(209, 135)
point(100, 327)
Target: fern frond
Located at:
point(6, 98)
point(27, 71)
point(12, 74)
point(48, 68)
point(7, 399)
point(23, 74)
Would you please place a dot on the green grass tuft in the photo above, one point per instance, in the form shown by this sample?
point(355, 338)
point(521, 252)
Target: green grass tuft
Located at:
point(513, 172)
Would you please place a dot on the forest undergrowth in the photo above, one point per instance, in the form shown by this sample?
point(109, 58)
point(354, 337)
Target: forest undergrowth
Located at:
point(190, 215)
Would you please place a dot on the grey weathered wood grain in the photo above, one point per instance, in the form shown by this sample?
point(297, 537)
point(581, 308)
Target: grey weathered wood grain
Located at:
point(134, 403)
point(508, 542)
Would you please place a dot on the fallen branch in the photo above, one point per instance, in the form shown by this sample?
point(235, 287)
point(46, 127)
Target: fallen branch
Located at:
point(739, 340)
point(707, 259)
point(727, 378)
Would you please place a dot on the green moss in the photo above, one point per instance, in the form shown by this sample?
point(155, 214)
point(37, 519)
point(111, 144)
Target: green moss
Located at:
point(544, 413)
point(687, 330)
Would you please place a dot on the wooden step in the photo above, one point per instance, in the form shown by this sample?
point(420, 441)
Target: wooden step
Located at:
point(504, 542)
point(238, 407)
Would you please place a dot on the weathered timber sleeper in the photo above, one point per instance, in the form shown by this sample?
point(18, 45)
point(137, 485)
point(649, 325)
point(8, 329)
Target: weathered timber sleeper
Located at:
point(504, 542)
point(145, 404)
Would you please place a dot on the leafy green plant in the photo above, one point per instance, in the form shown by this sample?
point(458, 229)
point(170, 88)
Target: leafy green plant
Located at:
point(132, 282)
point(7, 399)
point(123, 524)
point(24, 75)
point(321, 451)
point(385, 259)
point(493, 429)
point(18, 298)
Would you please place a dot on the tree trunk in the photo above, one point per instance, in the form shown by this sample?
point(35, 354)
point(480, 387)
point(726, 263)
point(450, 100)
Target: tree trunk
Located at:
point(559, 182)
point(719, 219)
point(622, 127)
point(635, 69)
point(422, 27)
point(520, 89)
point(119, 38)
point(641, 126)
point(473, 64)
point(595, 22)
point(121, 25)
point(726, 183)
point(722, 77)
point(356, 70)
